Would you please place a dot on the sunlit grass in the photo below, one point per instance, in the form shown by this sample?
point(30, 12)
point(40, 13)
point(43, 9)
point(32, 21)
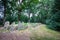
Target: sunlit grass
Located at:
point(43, 33)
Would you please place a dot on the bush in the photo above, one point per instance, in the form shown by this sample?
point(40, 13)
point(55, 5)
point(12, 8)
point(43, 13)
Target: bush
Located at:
point(54, 22)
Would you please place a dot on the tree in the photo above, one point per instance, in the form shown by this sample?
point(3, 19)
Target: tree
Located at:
point(9, 9)
point(39, 9)
point(5, 5)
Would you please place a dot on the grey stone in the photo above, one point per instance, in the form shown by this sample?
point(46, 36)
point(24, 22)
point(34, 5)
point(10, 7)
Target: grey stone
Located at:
point(20, 26)
point(6, 25)
point(13, 27)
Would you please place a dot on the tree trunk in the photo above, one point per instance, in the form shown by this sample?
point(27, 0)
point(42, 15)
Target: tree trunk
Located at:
point(5, 4)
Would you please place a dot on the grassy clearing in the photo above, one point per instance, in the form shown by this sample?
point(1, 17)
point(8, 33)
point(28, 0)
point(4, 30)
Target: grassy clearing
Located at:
point(43, 33)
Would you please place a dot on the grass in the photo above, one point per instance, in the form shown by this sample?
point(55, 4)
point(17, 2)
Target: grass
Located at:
point(43, 33)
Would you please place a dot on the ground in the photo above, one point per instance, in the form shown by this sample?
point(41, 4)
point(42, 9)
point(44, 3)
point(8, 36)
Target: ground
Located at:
point(40, 32)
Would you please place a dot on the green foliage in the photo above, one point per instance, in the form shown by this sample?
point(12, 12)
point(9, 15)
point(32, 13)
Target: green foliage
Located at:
point(40, 10)
point(23, 18)
point(10, 12)
point(54, 20)
point(11, 18)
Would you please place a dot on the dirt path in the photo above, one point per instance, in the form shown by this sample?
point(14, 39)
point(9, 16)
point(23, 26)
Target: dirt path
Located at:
point(15, 36)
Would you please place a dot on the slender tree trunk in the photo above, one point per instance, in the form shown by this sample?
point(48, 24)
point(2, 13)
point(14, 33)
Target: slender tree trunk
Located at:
point(19, 14)
point(29, 18)
point(19, 11)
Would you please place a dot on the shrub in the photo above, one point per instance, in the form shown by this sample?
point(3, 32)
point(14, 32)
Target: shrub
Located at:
point(54, 22)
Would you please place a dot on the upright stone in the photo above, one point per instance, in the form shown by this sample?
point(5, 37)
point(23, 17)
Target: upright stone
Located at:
point(20, 26)
point(12, 27)
point(6, 25)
